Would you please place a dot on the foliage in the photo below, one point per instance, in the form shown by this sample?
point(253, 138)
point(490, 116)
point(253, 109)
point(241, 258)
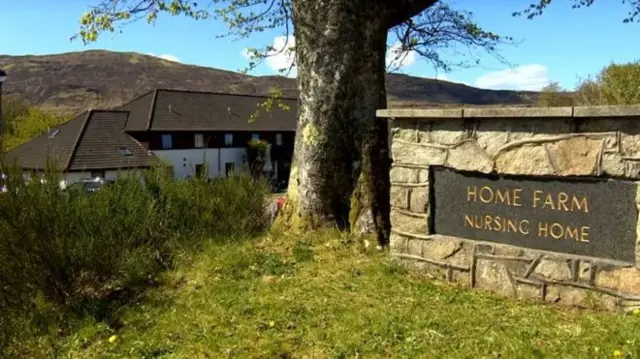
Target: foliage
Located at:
point(23, 121)
point(435, 29)
point(322, 295)
point(67, 253)
point(616, 84)
point(553, 95)
point(257, 156)
point(537, 8)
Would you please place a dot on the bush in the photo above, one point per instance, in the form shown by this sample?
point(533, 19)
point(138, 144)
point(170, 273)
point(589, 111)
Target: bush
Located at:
point(616, 84)
point(74, 249)
point(24, 121)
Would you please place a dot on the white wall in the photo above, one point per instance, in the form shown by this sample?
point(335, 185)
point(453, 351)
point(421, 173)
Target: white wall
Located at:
point(184, 161)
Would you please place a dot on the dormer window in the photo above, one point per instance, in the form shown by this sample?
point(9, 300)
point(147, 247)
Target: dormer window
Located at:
point(198, 140)
point(54, 133)
point(125, 151)
point(167, 142)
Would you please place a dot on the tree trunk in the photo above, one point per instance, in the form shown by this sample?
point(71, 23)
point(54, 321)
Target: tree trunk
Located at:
point(339, 176)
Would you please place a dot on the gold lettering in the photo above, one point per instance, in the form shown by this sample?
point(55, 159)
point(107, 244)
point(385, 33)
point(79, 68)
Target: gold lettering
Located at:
point(553, 234)
point(571, 233)
point(468, 220)
point(498, 224)
point(562, 201)
point(542, 228)
point(548, 201)
point(490, 194)
point(471, 194)
point(516, 197)
point(536, 197)
point(502, 197)
point(526, 228)
point(487, 222)
point(511, 226)
point(580, 205)
point(584, 234)
point(478, 224)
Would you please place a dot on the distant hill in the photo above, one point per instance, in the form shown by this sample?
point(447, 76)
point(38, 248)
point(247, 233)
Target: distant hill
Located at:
point(101, 79)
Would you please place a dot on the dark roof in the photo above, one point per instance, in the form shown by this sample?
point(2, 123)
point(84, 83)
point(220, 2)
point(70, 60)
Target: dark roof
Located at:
point(177, 110)
point(94, 140)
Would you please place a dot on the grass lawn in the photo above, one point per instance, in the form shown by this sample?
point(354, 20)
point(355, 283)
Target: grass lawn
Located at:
point(323, 296)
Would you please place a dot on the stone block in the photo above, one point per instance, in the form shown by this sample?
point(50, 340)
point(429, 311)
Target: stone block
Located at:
point(493, 275)
point(584, 272)
point(405, 152)
point(612, 164)
point(424, 113)
point(399, 197)
point(518, 112)
point(492, 135)
point(440, 249)
point(448, 132)
point(554, 269)
point(423, 176)
point(405, 134)
point(419, 199)
point(626, 280)
point(576, 156)
point(606, 111)
point(409, 224)
point(524, 160)
point(397, 243)
point(461, 277)
point(414, 247)
point(468, 156)
point(528, 291)
point(632, 169)
point(565, 295)
point(404, 175)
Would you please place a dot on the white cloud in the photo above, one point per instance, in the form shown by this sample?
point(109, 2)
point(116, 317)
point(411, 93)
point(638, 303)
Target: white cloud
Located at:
point(166, 57)
point(532, 77)
point(446, 78)
point(281, 58)
point(397, 59)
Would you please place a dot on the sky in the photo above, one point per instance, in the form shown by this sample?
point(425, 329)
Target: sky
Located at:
point(565, 45)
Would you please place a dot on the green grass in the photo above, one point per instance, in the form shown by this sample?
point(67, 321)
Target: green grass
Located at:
point(323, 296)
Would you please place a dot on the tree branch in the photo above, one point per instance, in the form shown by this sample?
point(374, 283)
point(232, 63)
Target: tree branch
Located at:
point(539, 6)
point(403, 10)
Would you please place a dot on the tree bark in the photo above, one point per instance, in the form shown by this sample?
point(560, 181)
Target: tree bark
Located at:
point(340, 171)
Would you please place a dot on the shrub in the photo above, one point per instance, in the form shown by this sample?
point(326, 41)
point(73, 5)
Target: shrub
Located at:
point(74, 249)
point(23, 121)
point(616, 84)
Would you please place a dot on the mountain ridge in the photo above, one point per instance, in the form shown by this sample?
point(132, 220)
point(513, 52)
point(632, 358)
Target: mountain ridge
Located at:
point(76, 81)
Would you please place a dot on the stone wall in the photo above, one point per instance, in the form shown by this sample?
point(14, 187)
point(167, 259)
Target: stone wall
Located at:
point(556, 142)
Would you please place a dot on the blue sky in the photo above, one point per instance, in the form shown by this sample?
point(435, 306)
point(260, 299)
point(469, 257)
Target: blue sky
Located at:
point(563, 45)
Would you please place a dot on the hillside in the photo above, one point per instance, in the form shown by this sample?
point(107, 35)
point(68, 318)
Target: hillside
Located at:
point(78, 80)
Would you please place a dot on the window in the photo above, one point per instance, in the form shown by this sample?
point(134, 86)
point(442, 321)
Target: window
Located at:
point(255, 137)
point(278, 139)
point(198, 140)
point(199, 170)
point(166, 142)
point(228, 168)
point(228, 139)
point(125, 151)
point(95, 174)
